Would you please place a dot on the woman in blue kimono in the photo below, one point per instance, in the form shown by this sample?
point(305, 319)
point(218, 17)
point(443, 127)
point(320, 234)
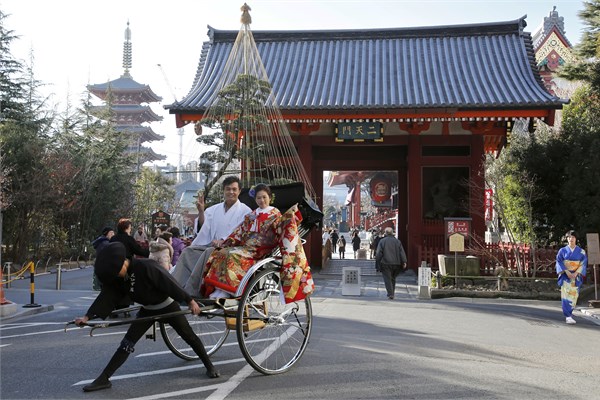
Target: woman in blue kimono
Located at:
point(571, 265)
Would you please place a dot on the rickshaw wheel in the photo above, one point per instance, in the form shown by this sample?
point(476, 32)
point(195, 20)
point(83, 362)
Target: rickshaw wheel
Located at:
point(209, 326)
point(272, 335)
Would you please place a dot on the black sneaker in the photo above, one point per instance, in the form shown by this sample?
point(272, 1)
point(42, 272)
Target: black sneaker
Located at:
point(100, 383)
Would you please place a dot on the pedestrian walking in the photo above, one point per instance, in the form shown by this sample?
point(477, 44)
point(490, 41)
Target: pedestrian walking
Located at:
point(355, 243)
point(391, 258)
point(334, 239)
point(342, 246)
point(571, 266)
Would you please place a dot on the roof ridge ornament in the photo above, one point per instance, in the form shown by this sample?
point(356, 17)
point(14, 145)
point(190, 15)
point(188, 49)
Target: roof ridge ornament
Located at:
point(127, 53)
point(246, 19)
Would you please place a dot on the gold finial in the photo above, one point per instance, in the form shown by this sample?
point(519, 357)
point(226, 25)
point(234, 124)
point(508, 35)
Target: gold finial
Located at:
point(246, 18)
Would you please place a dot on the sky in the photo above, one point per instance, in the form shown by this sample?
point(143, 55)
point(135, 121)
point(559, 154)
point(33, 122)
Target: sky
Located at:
point(74, 43)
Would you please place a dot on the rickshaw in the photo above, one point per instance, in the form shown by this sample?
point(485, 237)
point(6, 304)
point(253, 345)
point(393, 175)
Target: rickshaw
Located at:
point(271, 334)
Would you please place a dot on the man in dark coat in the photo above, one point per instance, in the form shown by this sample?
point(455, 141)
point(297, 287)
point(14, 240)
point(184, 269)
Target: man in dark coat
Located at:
point(149, 285)
point(334, 240)
point(391, 259)
point(99, 243)
point(124, 236)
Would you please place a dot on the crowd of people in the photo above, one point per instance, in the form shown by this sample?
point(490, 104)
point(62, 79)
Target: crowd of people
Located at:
point(335, 243)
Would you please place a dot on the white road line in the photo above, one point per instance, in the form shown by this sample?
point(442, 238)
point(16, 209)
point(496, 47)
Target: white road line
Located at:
point(228, 344)
point(33, 334)
point(60, 330)
point(161, 371)
point(4, 345)
point(224, 390)
point(27, 325)
point(221, 390)
point(178, 393)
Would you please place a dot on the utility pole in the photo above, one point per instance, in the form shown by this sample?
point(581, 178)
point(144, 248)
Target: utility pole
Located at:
point(179, 130)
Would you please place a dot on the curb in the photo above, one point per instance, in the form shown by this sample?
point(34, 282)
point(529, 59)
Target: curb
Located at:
point(21, 311)
point(445, 293)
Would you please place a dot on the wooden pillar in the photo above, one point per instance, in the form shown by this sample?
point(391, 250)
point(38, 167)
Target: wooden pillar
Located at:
point(477, 194)
point(415, 201)
point(312, 247)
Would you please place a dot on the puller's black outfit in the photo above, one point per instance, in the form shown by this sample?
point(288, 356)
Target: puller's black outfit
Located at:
point(150, 285)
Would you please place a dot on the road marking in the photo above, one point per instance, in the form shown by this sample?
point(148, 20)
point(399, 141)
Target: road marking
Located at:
point(161, 371)
point(27, 325)
point(4, 345)
point(221, 390)
point(224, 390)
point(228, 344)
point(33, 333)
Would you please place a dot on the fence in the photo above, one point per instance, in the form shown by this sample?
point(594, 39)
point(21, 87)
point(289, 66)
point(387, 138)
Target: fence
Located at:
point(507, 255)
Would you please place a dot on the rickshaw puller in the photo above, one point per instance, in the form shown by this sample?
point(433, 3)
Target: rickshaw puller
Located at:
point(150, 285)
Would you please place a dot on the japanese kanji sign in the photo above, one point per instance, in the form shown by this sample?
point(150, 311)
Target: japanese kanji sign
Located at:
point(358, 130)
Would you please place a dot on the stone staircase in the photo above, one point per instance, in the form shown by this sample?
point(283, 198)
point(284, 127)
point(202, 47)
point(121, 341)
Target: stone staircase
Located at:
point(334, 266)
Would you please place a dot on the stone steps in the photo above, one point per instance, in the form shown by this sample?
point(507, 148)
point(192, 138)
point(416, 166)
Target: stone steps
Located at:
point(335, 266)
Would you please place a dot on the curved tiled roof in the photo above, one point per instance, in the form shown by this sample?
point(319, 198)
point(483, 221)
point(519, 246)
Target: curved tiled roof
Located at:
point(477, 66)
point(123, 84)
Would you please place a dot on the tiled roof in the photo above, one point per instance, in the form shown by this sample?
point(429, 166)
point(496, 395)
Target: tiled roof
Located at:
point(478, 66)
point(125, 83)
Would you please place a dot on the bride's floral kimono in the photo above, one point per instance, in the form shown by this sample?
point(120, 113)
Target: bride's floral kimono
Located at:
point(261, 231)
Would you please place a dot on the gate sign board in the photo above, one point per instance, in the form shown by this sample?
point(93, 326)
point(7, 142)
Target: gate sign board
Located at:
point(160, 219)
point(358, 131)
point(593, 248)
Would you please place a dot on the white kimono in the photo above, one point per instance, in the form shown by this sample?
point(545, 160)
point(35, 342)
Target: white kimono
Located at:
point(218, 224)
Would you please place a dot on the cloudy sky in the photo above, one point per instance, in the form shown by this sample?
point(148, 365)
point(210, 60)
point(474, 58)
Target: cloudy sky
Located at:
point(75, 42)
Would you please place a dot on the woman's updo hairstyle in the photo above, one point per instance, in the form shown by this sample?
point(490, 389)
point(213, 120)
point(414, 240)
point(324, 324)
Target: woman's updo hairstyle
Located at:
point(261, 187)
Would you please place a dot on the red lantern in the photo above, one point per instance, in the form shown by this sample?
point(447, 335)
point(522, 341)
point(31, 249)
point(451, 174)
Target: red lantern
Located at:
point(381, 188)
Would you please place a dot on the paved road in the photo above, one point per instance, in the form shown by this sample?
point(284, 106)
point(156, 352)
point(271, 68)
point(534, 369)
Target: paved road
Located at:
point(362, 347)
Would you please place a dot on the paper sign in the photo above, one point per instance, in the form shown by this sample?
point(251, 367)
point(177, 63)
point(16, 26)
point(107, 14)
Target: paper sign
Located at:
point(457, 242)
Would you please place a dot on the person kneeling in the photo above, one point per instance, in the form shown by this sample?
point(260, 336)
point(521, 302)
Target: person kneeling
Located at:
point(150, 285)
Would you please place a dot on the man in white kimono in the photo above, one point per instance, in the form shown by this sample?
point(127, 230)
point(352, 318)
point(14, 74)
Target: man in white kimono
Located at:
point(218, 222)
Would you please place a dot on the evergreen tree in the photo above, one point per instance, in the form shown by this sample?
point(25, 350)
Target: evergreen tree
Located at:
point(24, 138)
point(587, 68)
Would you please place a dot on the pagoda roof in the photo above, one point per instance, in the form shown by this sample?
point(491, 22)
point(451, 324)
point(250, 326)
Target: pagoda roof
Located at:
point(144, 113)
point(146, 132)
point(147, 154)
point(456, 67)
point(125, 84)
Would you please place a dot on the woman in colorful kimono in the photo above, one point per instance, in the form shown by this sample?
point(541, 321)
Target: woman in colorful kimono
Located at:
point(571, 265)
point(261, 231)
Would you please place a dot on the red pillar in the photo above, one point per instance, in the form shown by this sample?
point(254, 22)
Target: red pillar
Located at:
point(415, 203)
point(312, 247)
point(476, 210)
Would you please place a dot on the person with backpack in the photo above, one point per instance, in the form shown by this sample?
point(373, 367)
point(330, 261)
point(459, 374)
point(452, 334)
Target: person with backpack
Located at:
point(334, 239)
point(341, 243)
